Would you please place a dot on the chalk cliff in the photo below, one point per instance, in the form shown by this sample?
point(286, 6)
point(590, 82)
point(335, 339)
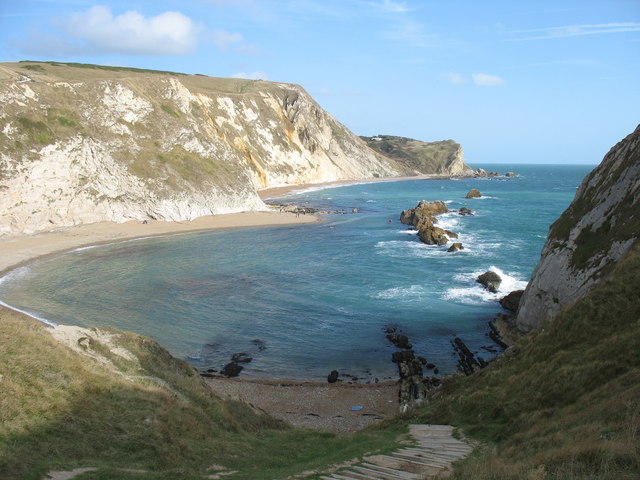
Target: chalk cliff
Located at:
point(592, 235)
point(83, 143)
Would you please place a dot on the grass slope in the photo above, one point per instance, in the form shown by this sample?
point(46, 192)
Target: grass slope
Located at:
point(564, 402)
point(60, 410)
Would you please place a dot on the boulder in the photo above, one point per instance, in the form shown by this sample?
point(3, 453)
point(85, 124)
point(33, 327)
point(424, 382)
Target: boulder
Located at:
point(435, 235)
point(423, 213)
point(464, 211)
point(490, 280)
point(333, 376)
point(231, 369)
point(512, 300)
point(399, 340)
point(455, 247)
point(473, 193)
point(510, 174)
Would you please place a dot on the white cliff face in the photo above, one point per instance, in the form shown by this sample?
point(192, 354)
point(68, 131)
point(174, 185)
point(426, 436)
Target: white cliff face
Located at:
point(170, 147)
point(595, 232)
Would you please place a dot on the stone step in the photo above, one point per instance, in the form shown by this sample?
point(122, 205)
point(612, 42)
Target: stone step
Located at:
point(374, 473)
point(359, 476)
point(421, 461)
point(401, 473)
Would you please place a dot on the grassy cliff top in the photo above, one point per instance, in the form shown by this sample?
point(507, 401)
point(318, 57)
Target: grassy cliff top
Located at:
point(83, 72)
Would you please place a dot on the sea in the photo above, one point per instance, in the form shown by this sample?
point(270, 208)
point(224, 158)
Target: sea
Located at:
point(303, 300)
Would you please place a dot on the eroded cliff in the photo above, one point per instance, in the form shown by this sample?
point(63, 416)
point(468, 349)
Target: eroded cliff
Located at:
point(592, 235)
point(81, 144)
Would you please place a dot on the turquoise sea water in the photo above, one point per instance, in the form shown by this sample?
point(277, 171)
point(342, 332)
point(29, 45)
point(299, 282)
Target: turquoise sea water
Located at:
point(316, 296)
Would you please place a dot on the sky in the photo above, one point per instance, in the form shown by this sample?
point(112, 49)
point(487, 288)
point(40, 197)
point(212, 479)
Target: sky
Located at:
point(529, 81)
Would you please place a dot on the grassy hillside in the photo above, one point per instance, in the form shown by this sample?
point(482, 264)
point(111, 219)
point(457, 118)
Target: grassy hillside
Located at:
point(564, 402)
point(421, 157)
point(60, 410)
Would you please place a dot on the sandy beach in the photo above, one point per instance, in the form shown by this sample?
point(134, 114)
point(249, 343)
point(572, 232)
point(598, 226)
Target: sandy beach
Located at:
point(302, 404)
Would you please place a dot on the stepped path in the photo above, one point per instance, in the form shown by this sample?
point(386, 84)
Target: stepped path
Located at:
point(434, 451)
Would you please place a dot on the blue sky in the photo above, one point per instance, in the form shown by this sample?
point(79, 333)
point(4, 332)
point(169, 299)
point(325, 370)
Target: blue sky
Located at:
point(512, 81)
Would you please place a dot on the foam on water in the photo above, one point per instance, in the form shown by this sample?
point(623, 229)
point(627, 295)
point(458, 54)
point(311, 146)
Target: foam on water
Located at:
point(413, 292)
point(472, 293)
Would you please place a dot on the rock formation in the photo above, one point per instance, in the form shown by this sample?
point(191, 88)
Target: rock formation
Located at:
point(84, 143)
point(490, 280)
point(512, 300)
point(423, 213)
point(473, 193)
point(443, 157)
point(592, 235)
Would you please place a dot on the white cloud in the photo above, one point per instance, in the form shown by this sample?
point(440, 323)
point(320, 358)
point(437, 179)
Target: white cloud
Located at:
point(223, 39)
point(169, 33)
point(578, 30)
point(456, 78)
point(485, 80)
point(251, 75)
point(392, 6)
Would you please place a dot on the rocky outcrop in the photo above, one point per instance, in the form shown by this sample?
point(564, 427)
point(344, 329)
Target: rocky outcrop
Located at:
point(440, 158)
point(592, 235)
point(432, 235)
point(512, 300)
point(82, 144)
point(490, 280)
point(468, 363)
point(423, 213)
point(473, 193)
point(455, 247)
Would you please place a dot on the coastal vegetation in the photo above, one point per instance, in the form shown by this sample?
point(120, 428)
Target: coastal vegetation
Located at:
point(129, 409)
point(564, 402)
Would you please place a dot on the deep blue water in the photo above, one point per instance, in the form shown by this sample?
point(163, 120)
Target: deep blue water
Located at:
point(320, 295)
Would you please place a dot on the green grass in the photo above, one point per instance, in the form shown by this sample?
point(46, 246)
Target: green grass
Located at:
point(34, 64)
point(564, 402)
point(60, 410)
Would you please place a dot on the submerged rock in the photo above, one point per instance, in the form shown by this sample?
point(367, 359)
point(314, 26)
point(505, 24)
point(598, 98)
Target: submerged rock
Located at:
point(464, 211)
point(241, 358)
point(490, 280)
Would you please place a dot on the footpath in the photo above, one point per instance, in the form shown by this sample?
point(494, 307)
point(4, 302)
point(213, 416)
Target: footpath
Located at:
point(434, 451)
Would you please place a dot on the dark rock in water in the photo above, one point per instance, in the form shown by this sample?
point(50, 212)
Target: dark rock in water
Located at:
point(241, 358)
point(511, 301)
point(435, 235)
point(490, 280)
point(399, 340)
point(467, 362)
point(510, 174)
point(473, 193)
point(481, 172)
point(259, 343)
point(232, 369)
point(455, 247)
point(333, 376)
point(402, 356)
point(430, 366)
point(465, 212)
point(436, 371)
point(422, 360)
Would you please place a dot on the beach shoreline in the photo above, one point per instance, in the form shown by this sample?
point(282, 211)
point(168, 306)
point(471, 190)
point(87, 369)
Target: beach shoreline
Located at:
point(342, 407)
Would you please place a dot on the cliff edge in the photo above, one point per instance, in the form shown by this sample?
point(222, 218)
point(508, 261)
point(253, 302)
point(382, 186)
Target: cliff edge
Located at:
point(583, 246)
point(85, 143)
